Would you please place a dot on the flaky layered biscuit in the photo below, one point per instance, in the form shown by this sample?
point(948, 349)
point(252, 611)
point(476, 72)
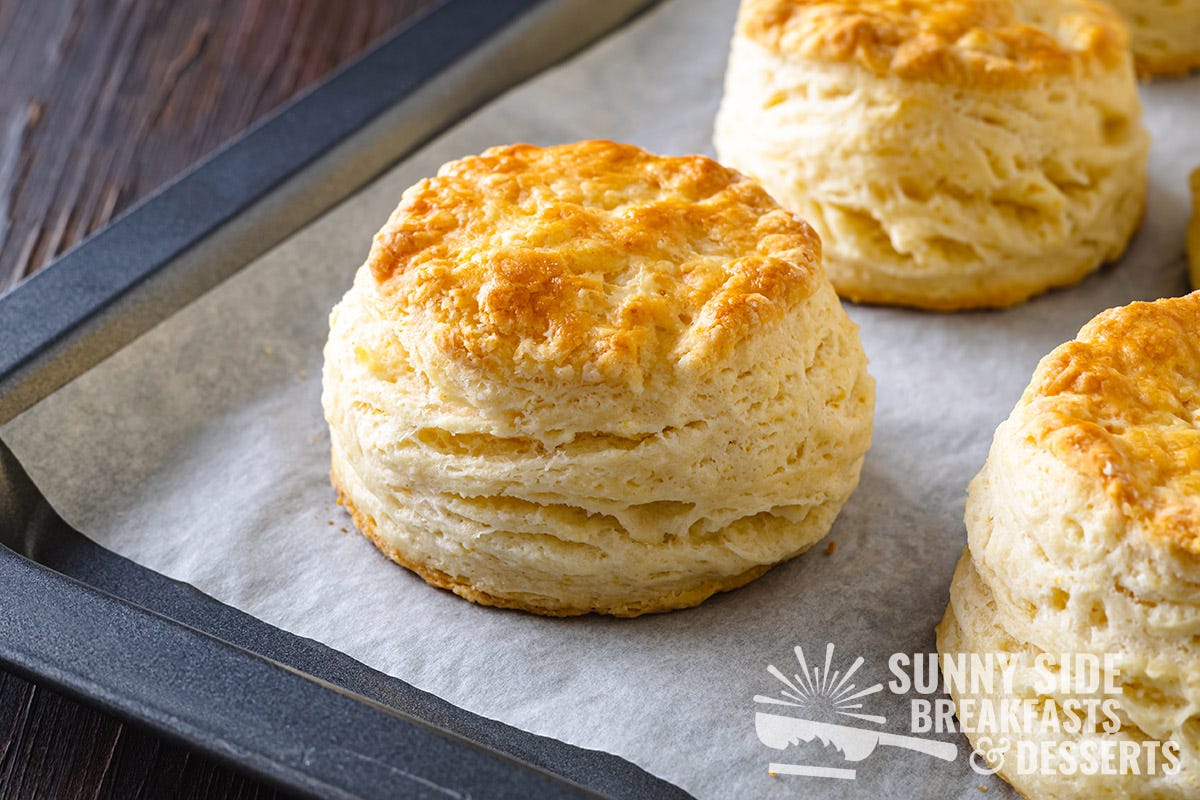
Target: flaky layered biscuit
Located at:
point(925, 142)
point(1085, 736)
point(1084, 531)
point(1164, 34)
point(586, 378)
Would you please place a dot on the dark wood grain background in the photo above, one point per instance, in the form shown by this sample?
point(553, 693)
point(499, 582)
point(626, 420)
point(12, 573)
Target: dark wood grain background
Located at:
point(101, 102)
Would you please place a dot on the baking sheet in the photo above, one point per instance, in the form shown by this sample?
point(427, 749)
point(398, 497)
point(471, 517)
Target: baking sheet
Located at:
point(200, 451)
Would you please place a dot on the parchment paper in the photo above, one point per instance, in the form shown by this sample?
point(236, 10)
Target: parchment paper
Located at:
point(200, 451)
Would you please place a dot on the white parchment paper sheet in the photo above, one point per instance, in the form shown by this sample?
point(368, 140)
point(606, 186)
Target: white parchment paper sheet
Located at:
point(200, 451)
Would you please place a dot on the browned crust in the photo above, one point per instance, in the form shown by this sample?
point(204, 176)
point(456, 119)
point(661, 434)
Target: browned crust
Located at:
point(993, 298)
point(984, 42)
point(1121, 405)
point(1167, 66)
point(548, 608)
point(596, 259)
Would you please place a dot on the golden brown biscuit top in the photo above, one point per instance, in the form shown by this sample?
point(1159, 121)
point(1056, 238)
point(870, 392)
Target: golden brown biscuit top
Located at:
point(596, 257)
point(1121, 403)
point(990, 42)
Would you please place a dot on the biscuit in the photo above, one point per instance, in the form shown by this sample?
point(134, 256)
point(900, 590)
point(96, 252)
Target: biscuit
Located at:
point(1164, 34)
point(1083, 530)
point(924, 140)
point(586, 378)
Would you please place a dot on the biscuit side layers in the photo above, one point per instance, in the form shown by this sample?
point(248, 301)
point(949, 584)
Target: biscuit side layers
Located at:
point(943, 194)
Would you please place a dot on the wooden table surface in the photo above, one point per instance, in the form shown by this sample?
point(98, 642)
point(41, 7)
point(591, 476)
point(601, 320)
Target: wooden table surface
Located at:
point(101, 102)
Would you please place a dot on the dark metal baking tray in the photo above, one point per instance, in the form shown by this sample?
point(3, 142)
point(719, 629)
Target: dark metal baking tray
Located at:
point(128, 640)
